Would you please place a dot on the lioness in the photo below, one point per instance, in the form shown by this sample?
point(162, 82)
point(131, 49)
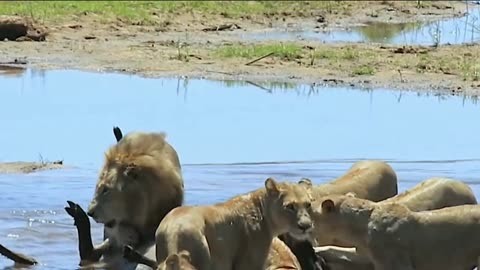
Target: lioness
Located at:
point(371, 180)
point(236, 234)
point(433, 193)
point(394, 237)
point(140, 182)
point(368, 179)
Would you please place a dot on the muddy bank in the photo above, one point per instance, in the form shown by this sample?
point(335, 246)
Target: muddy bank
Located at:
point(17, 28)
point(182, 45)
point(29, 167)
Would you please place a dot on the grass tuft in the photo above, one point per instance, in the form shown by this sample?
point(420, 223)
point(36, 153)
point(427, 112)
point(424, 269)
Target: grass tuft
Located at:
point(284, 51)
point(363, 70)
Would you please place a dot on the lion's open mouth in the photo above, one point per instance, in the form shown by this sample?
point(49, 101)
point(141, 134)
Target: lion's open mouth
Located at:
point(110, 223)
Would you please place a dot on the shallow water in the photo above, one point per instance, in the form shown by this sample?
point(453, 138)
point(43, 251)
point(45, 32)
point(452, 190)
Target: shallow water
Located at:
point(465, 29)
point(230, 137)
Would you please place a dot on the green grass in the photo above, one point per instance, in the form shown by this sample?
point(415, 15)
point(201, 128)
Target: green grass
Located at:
point(148, 12)
point(337, 54)
point(284, 51)
point(363, 70)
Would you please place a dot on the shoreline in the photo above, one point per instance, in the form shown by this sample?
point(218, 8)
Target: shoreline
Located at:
point(182, 48)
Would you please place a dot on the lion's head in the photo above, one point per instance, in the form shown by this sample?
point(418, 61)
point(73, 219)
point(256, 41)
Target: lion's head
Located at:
point(179, 261)
point(139, 183)
point(290, 207)
point(119, 195)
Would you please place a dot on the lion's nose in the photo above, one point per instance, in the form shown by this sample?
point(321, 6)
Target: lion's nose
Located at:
point(91, 210)
point(304, 226)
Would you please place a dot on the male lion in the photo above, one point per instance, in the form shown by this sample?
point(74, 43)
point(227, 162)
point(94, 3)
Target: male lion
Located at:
point(433, 193)
point(140, 182)
point(393, 237)
point(236, 234)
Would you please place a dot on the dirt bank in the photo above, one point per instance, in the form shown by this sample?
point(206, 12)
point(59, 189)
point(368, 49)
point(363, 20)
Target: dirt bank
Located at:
point(176, 44)
point(29, 167)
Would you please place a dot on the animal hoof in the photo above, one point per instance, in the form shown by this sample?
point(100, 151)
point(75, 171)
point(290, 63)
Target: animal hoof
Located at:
point(75, 211)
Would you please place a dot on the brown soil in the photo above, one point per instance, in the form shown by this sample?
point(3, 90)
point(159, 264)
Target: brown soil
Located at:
point(85, 43)
point(29, 167)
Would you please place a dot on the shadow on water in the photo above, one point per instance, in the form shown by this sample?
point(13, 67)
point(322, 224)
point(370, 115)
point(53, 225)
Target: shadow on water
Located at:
point(465, 29)
point(230, 136)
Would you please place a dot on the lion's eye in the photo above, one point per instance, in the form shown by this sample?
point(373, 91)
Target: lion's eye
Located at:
point(308, 205)
point(290, 207)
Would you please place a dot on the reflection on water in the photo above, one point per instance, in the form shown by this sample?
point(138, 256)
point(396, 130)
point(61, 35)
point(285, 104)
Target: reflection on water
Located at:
point(230, 136)
point(465, 29)
point(11, 71)
point(386, 32)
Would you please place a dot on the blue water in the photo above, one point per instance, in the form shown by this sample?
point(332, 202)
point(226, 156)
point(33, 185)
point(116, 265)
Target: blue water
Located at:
point(230, 137)
point(464, 29)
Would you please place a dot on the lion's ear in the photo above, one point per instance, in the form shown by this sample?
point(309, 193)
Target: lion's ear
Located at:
point(185, 255)
point(271, 186)
point(328, 206)
point(351, 194)
point(305, 182)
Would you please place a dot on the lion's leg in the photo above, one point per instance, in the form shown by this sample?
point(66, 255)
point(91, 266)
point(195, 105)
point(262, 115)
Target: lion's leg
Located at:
point(88, 253)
